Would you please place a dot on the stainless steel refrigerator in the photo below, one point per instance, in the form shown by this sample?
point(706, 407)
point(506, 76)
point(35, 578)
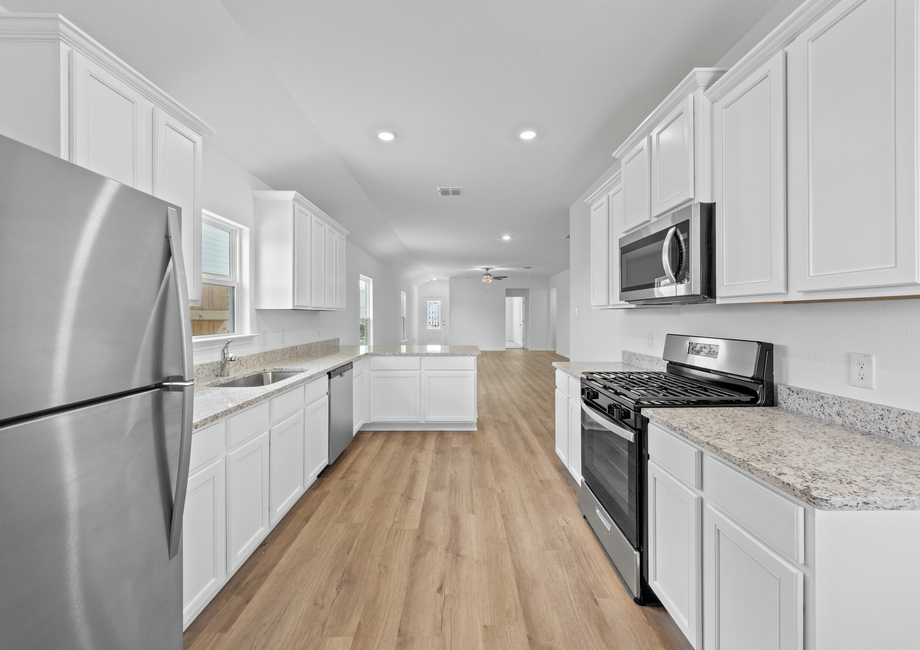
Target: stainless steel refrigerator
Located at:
point(95, 409)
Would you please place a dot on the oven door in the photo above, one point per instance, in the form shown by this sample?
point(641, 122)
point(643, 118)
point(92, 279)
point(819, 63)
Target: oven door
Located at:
point(610, 467)
point(669, 261)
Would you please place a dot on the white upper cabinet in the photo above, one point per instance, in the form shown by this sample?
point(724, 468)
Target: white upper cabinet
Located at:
point(749, 138)
point(672, 159)
point(600, 253)
point(667, 161)
point(634, 172)
point(297, 254)
point(67, 95)
point(853, 92)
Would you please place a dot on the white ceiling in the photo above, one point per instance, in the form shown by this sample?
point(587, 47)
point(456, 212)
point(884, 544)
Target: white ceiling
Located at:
point(298, 89)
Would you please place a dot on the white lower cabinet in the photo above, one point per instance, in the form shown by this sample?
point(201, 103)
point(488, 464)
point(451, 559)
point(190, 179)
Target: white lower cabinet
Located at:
point(316, 444)
point(247, 499)
point(575, 438)
point(754, 599)
point(395, 396)
point(674, 524)
point(568, 423)
point(449, 396)
point(204, 548)
point(562, 426)
point(359, 395)
point(287, 464)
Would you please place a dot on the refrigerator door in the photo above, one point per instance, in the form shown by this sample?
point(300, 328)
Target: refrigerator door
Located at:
point(86, 499)
point(89, 304)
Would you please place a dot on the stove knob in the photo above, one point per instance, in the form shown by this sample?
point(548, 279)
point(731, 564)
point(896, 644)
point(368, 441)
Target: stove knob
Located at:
point(592, 394)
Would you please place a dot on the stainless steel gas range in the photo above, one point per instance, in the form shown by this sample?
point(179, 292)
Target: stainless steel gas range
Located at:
point(701, 371)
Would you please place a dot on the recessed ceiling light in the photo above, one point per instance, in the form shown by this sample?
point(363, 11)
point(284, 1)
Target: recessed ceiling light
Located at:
point(528, 135)
point(506, 237)
point(386, 136)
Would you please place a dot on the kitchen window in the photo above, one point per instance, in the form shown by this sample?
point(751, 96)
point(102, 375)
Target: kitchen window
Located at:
point(220, 278)
point(402, 312)
point(365, 310)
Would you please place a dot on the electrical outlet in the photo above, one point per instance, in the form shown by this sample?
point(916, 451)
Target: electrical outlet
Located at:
point(576, 310)
point(862, 370)
point(282, 337)
point(649, 340)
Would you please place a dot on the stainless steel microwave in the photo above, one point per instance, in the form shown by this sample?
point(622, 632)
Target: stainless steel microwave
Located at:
point(671, 260)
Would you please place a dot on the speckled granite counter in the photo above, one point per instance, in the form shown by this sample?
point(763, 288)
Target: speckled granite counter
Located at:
point(213, 403)
point(827, 465)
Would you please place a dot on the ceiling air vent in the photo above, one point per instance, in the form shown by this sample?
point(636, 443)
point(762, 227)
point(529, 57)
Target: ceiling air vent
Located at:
point(450, 191)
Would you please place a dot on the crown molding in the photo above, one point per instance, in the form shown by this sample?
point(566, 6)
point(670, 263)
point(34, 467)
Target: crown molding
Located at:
point(298, 198)
point(605, 187)
point(699, 78)
point(55, 27)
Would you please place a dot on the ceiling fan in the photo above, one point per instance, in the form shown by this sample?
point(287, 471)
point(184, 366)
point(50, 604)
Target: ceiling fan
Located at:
point(488, 277)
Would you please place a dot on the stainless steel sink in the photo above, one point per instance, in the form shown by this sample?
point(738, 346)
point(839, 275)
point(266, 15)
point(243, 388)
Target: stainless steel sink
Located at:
point(261, 379)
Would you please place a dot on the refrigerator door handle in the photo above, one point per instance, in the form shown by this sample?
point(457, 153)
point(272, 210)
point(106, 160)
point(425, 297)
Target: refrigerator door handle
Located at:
point(185, 454)
point(173, 234)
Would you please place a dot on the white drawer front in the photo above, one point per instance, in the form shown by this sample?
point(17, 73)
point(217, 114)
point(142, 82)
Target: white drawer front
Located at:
point(396, 363)
point(286, 403)
point(574, 388)
point(207, 444)
point(247, 424)
point(450, 363)
point(771, 517)
point(316, 389)
point(678, 457)
point(562, 381)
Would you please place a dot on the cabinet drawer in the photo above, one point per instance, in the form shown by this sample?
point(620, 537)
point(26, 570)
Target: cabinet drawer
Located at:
point(396, 363)
point(772, 518)
point(450, 363)
point(286, 403)
point(574, 388)
point(562, 381)
point(316, 389)
point(675, 455)
point(247, 424)
point(207, 444)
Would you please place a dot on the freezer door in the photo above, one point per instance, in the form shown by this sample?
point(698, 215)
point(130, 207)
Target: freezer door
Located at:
point(88, 306)
point(86, 498)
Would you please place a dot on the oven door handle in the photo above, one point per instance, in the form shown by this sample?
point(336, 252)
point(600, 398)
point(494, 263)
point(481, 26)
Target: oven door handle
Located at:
point(607, 424)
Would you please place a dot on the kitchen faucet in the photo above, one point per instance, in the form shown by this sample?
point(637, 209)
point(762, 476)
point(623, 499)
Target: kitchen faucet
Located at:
point(225, 358)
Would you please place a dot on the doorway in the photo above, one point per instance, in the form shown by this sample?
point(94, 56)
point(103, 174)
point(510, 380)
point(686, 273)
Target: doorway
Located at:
point(433, 325)
point(514, 322)
point(552, 318)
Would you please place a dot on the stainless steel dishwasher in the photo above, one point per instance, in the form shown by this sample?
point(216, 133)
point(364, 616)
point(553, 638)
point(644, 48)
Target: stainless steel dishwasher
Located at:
point(341, 410)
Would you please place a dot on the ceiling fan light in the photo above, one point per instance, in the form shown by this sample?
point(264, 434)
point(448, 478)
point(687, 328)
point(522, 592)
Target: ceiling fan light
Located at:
point(487, 278)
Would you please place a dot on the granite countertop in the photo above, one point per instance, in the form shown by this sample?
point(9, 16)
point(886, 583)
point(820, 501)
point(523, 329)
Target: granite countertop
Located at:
point(576, 368)
point(821, 463)
point(213, 403)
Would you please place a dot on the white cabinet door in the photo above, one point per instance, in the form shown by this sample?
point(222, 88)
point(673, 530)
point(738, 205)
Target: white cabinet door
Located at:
point(303, 230)
point(177, 179)
point(575, 439)
point(753, 599)
point(359, 395)
point(247, 499)
point(450, 396)
point(562, 426)
point(395, 396)
point(853, 148)
point(340, 271)
point(112, 125)
point(672, 159)
point(750, 184)
point(204, 538)
point(616, 207)
point(600, 253)
point(316, 442)
point(674, 540)
point(317, 262)
point(287, 465)
point(634, 174)
point(330, 268)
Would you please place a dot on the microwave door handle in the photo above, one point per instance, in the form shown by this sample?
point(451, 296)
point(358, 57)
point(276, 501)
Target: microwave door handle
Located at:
point(666, 255)
point(610, 426)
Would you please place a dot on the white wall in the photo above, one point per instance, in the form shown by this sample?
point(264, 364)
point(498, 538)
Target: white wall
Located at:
point(562, 283)
point(227, 190)
point(812, 340)
point(478, 312)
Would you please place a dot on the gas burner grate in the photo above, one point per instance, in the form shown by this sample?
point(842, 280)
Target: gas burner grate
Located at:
point(662, 388)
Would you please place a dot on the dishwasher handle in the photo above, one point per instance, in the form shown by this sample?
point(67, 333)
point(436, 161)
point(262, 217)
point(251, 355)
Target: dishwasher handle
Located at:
point(341, 370)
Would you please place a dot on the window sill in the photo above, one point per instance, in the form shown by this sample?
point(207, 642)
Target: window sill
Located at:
point(214, 342)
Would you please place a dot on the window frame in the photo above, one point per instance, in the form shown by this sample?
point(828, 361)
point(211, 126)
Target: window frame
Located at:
point(238, 235)
point(368, 310)
point(402, 310)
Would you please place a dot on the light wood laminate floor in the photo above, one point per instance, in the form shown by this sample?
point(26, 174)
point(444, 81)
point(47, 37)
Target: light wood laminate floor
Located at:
point(440, 540)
